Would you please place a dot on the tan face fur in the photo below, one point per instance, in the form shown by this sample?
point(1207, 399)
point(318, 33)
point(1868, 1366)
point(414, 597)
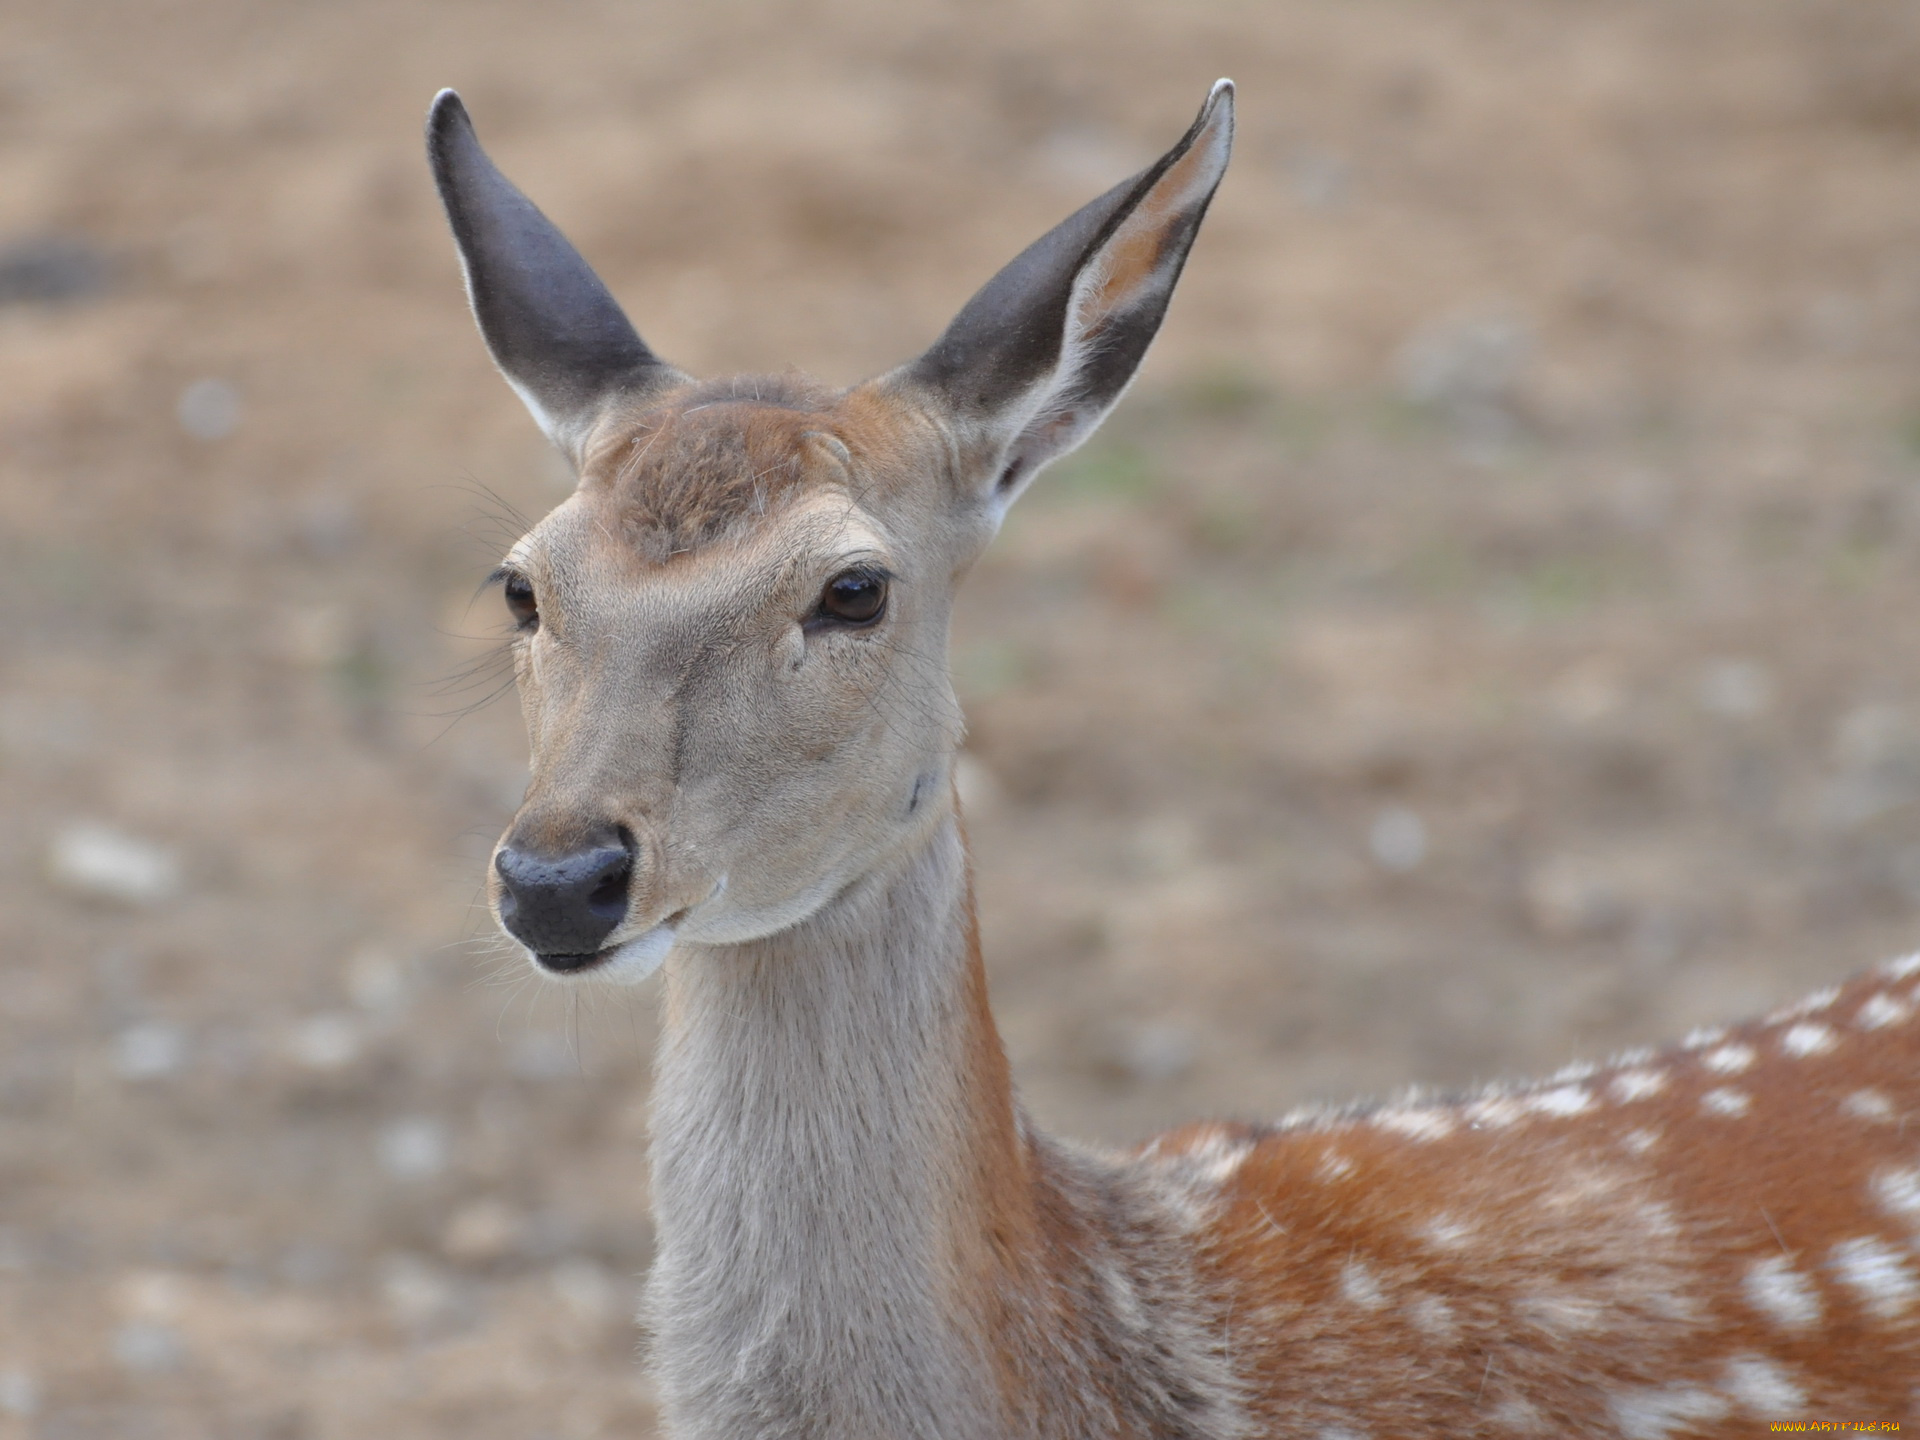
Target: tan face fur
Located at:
point(678, 683)
point(716, 754)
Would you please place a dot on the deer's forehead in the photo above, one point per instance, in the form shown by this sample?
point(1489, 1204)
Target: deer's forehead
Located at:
point(715, 465)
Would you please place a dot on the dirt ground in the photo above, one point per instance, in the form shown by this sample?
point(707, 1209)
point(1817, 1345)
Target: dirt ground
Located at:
point(1485, 637)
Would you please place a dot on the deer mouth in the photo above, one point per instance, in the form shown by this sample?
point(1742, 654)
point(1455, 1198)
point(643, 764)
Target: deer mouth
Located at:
point(627, 963)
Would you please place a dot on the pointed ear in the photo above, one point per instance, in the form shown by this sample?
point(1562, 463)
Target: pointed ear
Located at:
point(1035, 360)
point(554, 330)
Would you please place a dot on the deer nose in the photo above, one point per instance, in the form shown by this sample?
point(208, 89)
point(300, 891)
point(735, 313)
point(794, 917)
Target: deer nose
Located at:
point(563, 907)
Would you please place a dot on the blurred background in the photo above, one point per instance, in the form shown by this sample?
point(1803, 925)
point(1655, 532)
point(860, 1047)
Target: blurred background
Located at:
point(1485, 636)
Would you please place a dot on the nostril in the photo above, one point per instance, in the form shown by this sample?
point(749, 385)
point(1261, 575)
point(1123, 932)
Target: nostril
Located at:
point(609, 895)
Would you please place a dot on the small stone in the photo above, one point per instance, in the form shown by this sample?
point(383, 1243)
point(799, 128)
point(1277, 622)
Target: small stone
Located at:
point(416, 1290)
point(375, 981)
point(150, 1050)
point(1464, 360)
point(149, 1346)
point(19, 1395)
point(542, 1055)
point(482, 1230)
point(209, 409)
point(1468, 368)
point(1568, 898)
point(329, 524)
point(1876, 752)
point(317, 636)
point(1167, 845)
point(326, 1042)
point(1398, 840)
point(310, 1262)
point(51, 270)
point(1318, 178)
point(978, 787)
point(1587, 693)
point(1737, 689)
point(414, 1148)
point(98, 862)
point(586, 1289)
point(1875, 736)
point(149, 1295)
point(1151, 1054)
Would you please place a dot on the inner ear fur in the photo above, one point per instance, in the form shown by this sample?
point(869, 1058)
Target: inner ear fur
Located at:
point(1035, 360)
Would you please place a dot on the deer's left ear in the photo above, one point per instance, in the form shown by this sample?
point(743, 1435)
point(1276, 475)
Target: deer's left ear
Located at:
point(1035, 360)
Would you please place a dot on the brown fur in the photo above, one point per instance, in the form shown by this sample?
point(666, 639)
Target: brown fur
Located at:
point(705, 460)
point(1049, 1230)
point(1553, 1266)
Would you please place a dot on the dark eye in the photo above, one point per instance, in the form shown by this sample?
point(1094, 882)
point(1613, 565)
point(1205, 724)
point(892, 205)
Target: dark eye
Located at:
point(853, 597)
point(520, 602)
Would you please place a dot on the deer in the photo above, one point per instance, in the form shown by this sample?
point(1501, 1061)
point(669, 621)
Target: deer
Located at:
point(730, 644)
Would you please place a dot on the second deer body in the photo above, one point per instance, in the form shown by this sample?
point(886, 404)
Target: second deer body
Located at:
point(732, 655)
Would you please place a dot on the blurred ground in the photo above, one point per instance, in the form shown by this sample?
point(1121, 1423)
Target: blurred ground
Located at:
point(1486, 636)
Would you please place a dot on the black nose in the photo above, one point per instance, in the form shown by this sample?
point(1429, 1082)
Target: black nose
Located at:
point(563, 907)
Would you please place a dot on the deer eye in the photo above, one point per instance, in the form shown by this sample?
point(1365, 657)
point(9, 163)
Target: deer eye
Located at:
point(520, 602)
point(853, 597)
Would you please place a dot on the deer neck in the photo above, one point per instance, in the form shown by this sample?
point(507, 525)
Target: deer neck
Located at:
point(857, 1235)
point(832, 1131)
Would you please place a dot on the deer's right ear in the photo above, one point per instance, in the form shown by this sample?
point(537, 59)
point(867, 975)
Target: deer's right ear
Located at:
point(1034, 361)
point(554, 330)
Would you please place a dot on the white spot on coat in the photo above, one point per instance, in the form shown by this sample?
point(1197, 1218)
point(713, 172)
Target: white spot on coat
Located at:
point(1359, 1287)
point(1335, 1166)
point(1868, 1105)
point(1729, 1059)
point(1658, 1217)
point(1903, 967)
point(1433, 1317)
point(1875, 1271)
point(1882, 1011)
point(1496, 1112)
point(1634, 1085)
point(1445, 1232)
point(1898, 1192)
point(1763, 1389)
point(1703, 1037)
point(1725, 1100)
point(1804, 1040)
point(1516, 1414)
point(1563, 1101)
point(1640, 1141)
point(1811, 1005)
point(1218, 1156)
point(1656, 1414)
point(1563, 1312)
point(1782, 1293)
point(1415, 1124)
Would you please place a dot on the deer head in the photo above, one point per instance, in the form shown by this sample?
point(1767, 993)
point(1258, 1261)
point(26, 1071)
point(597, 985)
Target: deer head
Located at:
point(731, 641)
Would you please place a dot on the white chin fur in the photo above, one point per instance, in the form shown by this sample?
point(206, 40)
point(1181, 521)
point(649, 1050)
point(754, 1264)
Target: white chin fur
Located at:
point(638, 958)
point(632, 962)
